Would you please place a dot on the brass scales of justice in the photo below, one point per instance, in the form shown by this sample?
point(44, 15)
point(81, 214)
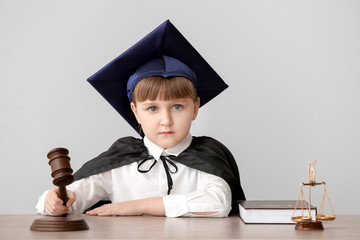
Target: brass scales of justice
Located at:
point(306, 222)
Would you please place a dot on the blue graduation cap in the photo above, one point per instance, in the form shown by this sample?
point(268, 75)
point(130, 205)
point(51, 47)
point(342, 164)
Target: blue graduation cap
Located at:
point(163, 52)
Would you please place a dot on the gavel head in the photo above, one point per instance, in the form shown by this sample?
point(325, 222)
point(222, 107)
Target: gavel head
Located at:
point(60, 167)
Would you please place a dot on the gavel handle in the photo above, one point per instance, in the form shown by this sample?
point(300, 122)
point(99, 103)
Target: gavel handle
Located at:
point(63, 197)
point(62, 194)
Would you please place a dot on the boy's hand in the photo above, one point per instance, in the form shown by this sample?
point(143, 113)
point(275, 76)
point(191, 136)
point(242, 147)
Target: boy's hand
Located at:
point(55, 205)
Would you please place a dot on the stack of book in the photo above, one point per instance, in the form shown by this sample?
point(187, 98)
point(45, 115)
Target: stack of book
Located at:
point(272, 211)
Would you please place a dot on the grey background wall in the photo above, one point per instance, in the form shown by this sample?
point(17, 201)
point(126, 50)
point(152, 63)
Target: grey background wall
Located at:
point(293, 68)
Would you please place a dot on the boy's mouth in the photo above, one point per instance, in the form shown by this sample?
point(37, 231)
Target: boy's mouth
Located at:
point(166, 133)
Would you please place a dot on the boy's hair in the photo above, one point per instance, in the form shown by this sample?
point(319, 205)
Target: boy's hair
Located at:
point(151, 88)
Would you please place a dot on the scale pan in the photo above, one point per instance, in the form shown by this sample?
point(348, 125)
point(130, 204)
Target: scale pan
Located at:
point(301, 219)
point(325, 217)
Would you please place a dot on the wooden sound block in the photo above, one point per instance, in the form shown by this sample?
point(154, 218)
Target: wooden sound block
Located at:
point(59, 224)
point(309, 226)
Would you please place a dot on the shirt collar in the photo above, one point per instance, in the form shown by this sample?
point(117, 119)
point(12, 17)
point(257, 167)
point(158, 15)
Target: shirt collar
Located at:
point(157, 151)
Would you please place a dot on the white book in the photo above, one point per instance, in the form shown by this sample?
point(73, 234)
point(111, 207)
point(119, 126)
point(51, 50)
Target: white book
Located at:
point(272, 211)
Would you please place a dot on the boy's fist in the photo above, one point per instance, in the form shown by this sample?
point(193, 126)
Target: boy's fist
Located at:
point(54, 205)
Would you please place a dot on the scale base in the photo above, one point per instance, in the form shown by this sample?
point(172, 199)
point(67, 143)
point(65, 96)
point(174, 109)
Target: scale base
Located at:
point(58, 224)
point(309, 226)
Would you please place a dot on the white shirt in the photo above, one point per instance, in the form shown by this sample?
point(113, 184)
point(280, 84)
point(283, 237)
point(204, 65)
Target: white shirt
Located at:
point(193, 190)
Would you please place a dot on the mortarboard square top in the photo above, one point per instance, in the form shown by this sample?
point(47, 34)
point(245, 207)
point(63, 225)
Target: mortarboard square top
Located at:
point(170, 46)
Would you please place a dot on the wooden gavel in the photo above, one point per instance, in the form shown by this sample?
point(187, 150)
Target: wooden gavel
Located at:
point(62, 174)
point(61, 170)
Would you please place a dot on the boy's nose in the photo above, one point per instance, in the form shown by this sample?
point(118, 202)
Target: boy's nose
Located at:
point(166, 119)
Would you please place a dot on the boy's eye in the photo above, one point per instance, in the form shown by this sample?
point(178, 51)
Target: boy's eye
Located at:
point(177, 107)
point(152, 109)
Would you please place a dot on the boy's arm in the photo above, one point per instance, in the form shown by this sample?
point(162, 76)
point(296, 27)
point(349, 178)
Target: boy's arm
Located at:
point(88, 191)
point(152, 206)
point(211, 199)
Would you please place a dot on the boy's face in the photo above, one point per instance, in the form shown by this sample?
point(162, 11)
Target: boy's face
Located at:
point(166, 123)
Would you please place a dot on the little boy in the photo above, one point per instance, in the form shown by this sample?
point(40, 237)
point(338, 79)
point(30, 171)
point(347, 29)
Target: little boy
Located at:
point(157, 86)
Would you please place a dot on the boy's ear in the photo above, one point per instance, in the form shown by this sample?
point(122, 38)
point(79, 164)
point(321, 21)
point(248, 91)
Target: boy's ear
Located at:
point(196, 108)
point(134, 110)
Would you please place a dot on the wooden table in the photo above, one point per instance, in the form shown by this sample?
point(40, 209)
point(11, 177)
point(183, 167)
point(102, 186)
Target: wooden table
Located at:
point(18, 227)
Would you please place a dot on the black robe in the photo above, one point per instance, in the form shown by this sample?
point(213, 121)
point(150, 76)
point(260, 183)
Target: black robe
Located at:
point(204, 153)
